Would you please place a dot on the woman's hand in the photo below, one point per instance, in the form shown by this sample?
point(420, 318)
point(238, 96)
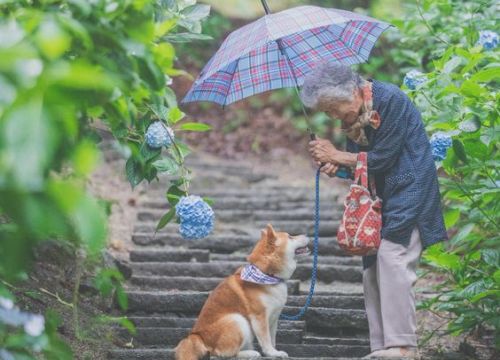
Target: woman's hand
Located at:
point(322, 151)
point(329, 169)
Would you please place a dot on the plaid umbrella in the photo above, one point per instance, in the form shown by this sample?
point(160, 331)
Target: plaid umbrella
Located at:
point(279, 49)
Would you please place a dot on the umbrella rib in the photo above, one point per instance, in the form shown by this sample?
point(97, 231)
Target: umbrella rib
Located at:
point(231, 82)
point(287, 58)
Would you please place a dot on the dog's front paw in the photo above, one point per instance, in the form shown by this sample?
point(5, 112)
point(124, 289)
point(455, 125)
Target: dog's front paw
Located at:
point(252, 354)
point(277, 353)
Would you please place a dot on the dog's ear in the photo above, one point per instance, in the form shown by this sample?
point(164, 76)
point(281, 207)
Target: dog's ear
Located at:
point(270, 234)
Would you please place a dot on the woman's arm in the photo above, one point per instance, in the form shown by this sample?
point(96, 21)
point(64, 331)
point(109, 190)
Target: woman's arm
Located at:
point(323, 151)
point(389, 139)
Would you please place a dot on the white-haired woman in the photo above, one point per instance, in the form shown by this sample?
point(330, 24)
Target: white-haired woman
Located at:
point(380, 119)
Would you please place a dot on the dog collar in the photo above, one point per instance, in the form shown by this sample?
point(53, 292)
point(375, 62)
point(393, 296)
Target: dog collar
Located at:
point(252, 273)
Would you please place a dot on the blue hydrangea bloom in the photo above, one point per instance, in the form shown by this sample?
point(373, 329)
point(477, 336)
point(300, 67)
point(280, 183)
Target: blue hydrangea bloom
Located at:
point(413, 79)
point(157, 135)
point(439, 144)
point(488, 39)
point(196, 216)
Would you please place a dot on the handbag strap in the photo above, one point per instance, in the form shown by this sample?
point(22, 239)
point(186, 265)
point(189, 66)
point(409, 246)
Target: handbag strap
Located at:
point(373, 188)
point(361, 173)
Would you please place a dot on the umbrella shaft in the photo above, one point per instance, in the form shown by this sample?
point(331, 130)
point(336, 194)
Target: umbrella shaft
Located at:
point(266, 7)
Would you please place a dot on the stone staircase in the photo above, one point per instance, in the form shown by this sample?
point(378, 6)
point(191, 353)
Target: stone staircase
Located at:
point(172, 277)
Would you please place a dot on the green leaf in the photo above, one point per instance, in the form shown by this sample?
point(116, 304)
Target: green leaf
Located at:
point(473, 289)
point(127, 324)
point(496, 276)
point(166, 165)
point(121, 297)
point(491, 257)
point(90, 224)
point(170, 98)
point(436, 255)
point(196, 12)
point(476, 149)
point(470, 126)
point(463, 233)
point(195, 127)
point(174, 193)
point(133, 170)
point(165, 219)
point(52, 40)
point(486, 75)
point(148, 152)
point(208, 200)
point(451, 64)
point(459, 150)
point(175, 115)
point(29, 140)
point(451, 217)
point(484, 294)
point(472, 89)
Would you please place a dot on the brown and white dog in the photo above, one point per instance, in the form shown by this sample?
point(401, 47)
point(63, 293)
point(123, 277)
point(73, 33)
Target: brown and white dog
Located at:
point(237, 310)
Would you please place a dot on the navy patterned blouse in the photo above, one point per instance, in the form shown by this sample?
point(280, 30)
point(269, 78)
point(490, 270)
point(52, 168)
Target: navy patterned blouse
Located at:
point(399, 156)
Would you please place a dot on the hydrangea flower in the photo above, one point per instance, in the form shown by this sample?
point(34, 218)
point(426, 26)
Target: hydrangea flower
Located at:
point(6, 303)
point(196, 216)
point(439, 144)
point(158, 135)
point(35, 325)
point(413, 79)
point(488, 39)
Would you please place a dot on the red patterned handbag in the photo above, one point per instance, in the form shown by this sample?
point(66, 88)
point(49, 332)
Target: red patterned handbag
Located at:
point(359, 231)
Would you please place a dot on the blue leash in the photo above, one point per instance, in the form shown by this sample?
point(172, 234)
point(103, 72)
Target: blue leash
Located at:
point(315, 259)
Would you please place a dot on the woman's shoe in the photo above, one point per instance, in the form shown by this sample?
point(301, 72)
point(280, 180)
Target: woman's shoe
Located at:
point(395, 352)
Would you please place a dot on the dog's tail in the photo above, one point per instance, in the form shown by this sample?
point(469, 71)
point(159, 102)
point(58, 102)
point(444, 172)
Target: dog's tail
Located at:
point(191, 348)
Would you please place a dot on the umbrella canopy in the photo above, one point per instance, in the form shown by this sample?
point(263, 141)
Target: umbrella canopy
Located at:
point(279, 49)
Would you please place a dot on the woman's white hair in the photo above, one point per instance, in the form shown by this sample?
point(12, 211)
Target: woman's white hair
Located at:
point(329, 82)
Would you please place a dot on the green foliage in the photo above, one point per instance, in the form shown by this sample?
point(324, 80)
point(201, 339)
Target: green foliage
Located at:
point(108, 281)
point(460, 98)
point(66, 68)
point(22, 334)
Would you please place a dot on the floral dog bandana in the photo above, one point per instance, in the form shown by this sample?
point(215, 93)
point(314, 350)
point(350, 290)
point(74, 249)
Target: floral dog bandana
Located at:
point(368, 117)
point(252, 273)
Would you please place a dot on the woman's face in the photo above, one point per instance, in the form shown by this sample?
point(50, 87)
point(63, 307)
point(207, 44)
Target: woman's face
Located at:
point(347, 111)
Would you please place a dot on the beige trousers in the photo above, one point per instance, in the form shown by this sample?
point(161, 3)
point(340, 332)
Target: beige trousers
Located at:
point(389, 295)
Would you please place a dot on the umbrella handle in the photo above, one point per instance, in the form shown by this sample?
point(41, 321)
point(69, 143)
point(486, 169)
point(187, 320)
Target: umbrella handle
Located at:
point(343, 172)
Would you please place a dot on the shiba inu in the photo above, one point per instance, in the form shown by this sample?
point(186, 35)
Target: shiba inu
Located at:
point(247, 303)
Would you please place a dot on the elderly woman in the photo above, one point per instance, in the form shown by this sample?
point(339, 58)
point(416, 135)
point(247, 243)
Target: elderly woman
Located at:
point(380, 119)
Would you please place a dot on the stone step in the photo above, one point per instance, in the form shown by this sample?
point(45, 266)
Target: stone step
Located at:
point(171, 336)
point(313, 339)
point(336, 322)
point(295, 351)
point(170, 255)
point(326, 227)
point(236, 214)
point(328, 204)
point(168, 354)
point(333, 288)
point(188, 322)
point(224, 244)
point(189, 302)
point(214, 243)
point(332, 260)
point(284, 194)
point(189, 283)
point(326, 273)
